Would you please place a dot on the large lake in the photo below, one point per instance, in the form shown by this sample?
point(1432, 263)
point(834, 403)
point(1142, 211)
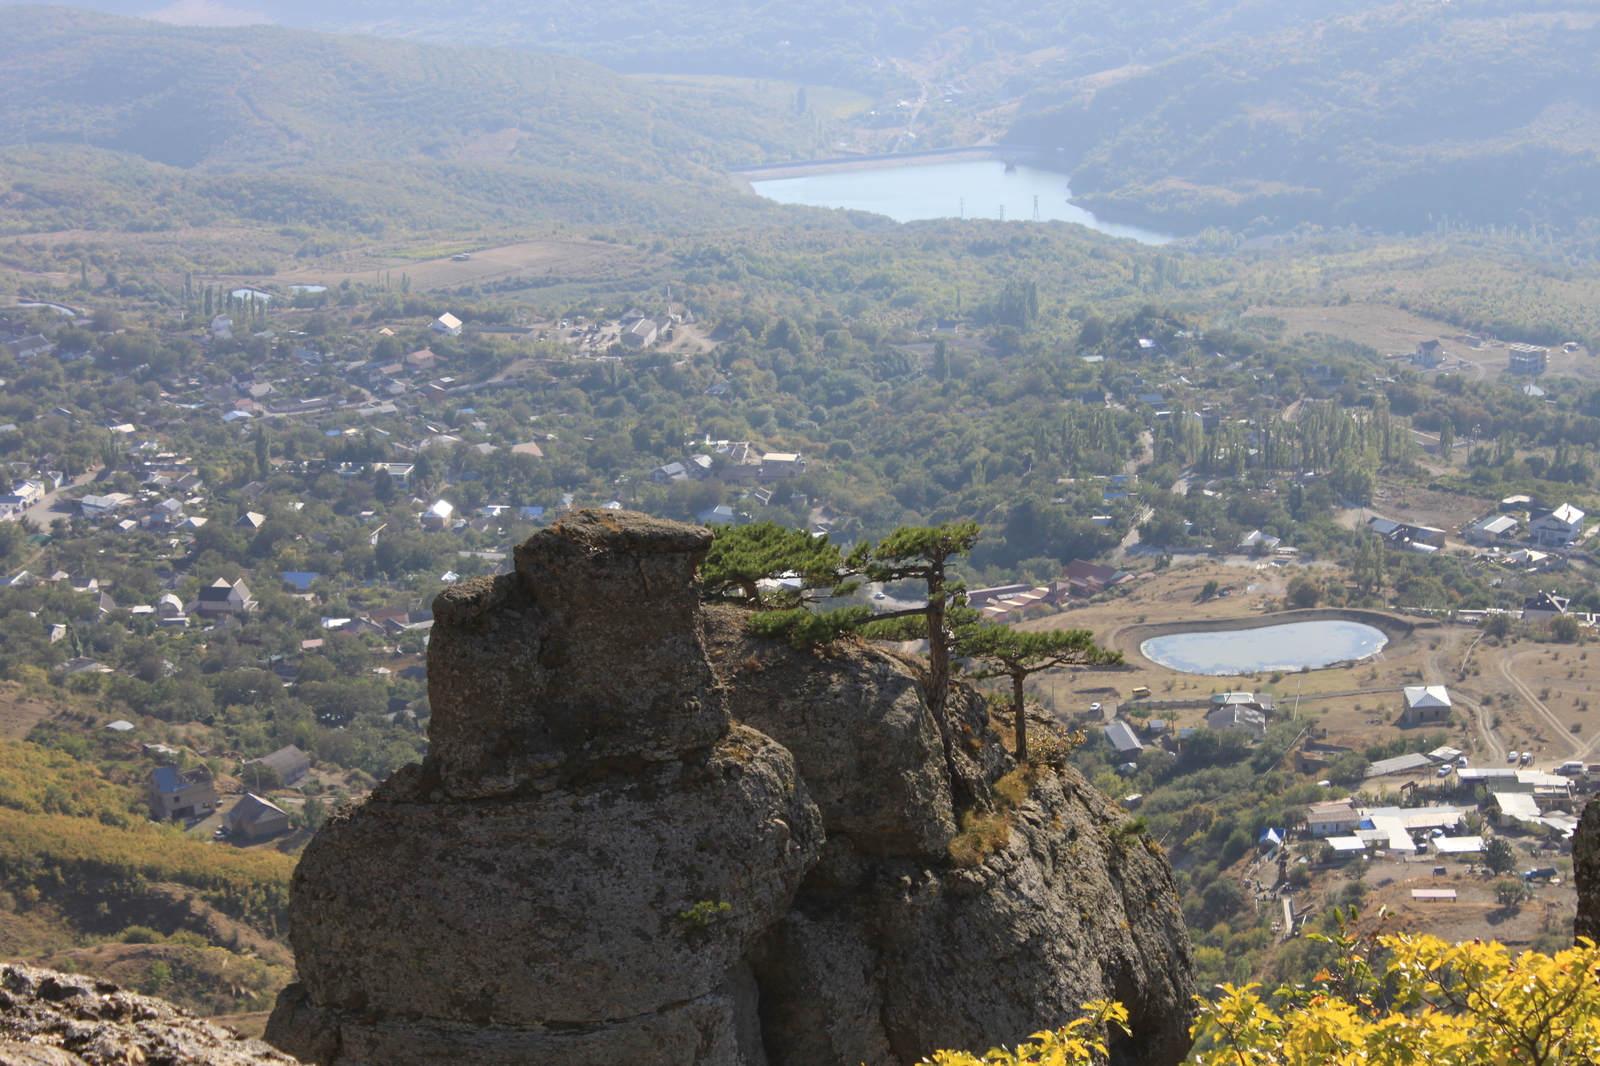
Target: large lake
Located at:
point(975, 189)
point(1285, 647)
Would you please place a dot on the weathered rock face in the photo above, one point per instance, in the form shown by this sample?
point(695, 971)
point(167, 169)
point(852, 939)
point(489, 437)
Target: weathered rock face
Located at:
point(890, 952)
point(59, 1019)
point(642, 837)
point(590, 850)
point(1586, 873)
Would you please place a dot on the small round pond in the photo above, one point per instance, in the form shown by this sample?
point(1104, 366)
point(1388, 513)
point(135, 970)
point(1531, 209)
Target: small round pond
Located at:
point(1286, 647)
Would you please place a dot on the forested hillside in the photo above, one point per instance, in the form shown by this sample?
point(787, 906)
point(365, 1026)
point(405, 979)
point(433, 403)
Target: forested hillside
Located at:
point(1409, 118)
point(117, 123)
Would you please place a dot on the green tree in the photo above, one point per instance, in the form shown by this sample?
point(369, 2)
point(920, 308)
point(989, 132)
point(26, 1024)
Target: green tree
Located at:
point(1498, 625)
point(1510, 893)
point(1447, 441)
point(1007, 652)
point(941, 360)
point(743, 557)
point(1367, 567)
point(263, 465)
point(1304, 592)
point(1498, 856)
point(1209, 590)
point(1018, 304)
point(1565, 628)
point(923, 553)
point(259, 777)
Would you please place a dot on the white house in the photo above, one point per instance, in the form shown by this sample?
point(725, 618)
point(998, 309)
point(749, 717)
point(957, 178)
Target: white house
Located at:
point(100, 506)
point(220, 599)
point(781, 465)
point(1543, 607)
point(447, 324)
point(1560, 527)
point(1331, 819)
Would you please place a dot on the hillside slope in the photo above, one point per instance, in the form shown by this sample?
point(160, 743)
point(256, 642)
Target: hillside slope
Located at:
point(269, 96)
point(108, 122)
point(1487, 114)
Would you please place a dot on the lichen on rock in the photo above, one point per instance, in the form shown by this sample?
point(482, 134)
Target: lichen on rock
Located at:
point(58, 1019)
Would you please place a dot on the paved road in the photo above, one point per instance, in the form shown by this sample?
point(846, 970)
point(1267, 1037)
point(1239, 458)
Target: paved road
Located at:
point(44, 511)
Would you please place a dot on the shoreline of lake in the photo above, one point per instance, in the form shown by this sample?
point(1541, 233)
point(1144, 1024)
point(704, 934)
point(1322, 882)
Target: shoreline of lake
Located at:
point(942, 187)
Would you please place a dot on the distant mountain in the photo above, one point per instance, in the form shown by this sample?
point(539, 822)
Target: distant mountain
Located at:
point(1403, 118)
point(853, 43)
point(115, 122)
point(269, 96)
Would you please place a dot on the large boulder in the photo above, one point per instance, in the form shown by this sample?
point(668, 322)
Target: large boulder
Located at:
point(643, 836)
point(892, 950)
point(577, 871)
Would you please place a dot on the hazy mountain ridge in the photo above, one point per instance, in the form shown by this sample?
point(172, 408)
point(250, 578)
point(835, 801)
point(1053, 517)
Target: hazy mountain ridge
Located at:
point(1395, 118)
point(269, 96)
point(116, 123)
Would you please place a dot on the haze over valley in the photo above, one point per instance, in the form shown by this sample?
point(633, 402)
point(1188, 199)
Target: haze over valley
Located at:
point(767, 510)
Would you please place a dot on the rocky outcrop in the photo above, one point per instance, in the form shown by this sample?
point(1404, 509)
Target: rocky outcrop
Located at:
point(59, 1019)
point(641, 836)
point(1586, 873)
point(890, 951)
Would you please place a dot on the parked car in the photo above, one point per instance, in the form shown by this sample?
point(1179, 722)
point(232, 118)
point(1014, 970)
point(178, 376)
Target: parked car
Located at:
point(1444, 771)
point(1094, 707)
point(1511, 756)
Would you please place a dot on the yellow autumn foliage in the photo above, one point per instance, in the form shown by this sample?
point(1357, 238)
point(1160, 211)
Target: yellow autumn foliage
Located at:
point(1468, 1004)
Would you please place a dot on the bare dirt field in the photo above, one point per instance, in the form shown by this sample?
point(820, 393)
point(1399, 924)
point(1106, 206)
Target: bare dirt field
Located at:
point(1515, 695)
point(429, 266)
point(1474, 913)
point(1395, 332)
point(20, 712)
point(570, 259)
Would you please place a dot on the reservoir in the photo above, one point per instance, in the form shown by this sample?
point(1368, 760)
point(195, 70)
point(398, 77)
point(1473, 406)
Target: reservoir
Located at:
point(973, 189)
point(1286, 647)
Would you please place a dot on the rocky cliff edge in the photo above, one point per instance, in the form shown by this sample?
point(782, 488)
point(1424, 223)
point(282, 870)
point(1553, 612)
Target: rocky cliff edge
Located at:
point(641, 836)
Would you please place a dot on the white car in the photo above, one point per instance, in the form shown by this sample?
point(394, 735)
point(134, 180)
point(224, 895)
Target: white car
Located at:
point(1511, 756)
point(1095, 707)
point(1444, 771)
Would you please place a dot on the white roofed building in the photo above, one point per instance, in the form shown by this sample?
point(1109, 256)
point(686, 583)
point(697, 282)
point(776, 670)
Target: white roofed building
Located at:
point(1560, 527)
point(1425, 704)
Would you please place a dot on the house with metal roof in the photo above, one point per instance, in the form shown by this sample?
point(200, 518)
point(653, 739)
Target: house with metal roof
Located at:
point(1123, 738)
point(220, 598)
point(253, 817)
point(1424, 704)
point(290, 762)
point(1400, 764)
